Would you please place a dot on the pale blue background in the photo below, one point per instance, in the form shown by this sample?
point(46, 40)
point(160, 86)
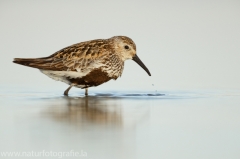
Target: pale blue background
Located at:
point(185, 44)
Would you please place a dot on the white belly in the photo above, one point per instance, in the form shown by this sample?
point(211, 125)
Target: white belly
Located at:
point(64, 75)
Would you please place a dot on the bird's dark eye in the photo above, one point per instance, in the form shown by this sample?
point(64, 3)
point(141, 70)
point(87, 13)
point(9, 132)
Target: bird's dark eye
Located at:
point(126, 47)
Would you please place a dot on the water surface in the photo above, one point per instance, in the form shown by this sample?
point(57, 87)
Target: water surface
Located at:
point(112, 124)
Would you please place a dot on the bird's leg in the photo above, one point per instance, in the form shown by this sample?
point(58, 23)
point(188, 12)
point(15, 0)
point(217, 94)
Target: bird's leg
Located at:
point(86, 91)
point(66, 91)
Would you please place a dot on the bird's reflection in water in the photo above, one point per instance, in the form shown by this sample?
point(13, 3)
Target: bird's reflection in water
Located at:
point(87, 110)
point(94, 110)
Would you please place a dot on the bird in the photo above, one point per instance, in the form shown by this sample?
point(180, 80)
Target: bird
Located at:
point(87, 64)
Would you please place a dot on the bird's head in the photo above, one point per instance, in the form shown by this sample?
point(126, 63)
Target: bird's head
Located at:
point(126, 49)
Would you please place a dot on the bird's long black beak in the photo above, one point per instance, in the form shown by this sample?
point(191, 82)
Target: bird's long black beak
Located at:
point(138, 61)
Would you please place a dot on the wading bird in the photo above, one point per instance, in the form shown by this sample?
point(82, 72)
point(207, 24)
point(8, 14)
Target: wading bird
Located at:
point(87, 64)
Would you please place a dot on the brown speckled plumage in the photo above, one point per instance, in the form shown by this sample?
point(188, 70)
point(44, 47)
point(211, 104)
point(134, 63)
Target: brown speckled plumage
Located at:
point(87, 64)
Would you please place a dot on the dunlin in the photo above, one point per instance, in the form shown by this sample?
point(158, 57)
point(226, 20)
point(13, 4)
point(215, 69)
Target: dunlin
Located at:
point(87, 64)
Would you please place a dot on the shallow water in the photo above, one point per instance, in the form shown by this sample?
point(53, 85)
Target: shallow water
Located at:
point(170, 124)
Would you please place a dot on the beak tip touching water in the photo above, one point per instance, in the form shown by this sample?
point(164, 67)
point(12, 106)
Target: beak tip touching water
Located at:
point(140, 63)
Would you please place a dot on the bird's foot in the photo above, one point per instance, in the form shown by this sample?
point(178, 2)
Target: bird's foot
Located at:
point(86, 91)
point(67, 90)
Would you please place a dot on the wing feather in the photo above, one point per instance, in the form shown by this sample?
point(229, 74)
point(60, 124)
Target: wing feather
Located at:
point(72, 58)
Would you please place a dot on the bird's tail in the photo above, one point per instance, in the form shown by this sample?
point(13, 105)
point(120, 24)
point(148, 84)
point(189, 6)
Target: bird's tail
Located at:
point(40, 63)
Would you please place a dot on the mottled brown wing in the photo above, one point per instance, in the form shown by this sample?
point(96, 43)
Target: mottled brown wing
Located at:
point(72, 58)
point(80, 56)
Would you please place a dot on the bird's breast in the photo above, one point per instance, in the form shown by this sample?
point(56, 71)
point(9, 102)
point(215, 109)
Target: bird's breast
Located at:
point(113, 65)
